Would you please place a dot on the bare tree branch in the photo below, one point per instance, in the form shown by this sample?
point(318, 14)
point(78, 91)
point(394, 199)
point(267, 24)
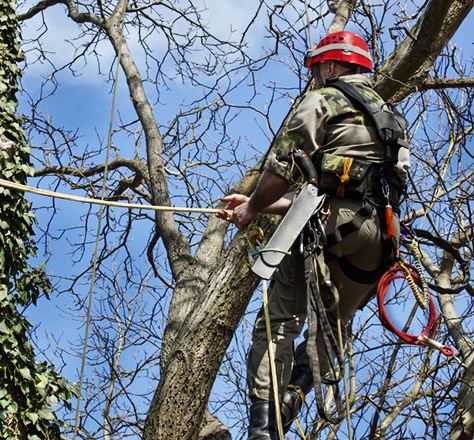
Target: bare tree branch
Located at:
point(449, 83)
point(39, 7)
point(408, 64)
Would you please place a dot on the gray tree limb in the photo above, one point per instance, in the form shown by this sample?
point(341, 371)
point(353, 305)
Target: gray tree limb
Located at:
point(450, 83)
point(406, 67)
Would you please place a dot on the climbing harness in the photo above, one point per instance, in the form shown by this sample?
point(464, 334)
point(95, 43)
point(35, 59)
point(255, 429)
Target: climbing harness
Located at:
point(390, 126)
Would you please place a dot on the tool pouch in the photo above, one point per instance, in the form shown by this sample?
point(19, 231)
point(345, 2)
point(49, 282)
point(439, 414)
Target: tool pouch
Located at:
point(345, 177)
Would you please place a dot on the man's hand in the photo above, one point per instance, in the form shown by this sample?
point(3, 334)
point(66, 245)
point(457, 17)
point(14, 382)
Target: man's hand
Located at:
point(243, 215)
point(233, 201)
point(238, 210)
point(270, 188)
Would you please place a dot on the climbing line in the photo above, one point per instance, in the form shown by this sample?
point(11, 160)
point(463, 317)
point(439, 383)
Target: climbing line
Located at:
point(300, 429)
point(308, 26)
point(345, 385)
point(255, 237)
point(271, 355)
point(91, 201)
point(96, 254)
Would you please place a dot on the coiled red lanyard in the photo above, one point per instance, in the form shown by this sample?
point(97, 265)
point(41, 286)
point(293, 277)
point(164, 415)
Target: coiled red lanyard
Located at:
point(426, 337)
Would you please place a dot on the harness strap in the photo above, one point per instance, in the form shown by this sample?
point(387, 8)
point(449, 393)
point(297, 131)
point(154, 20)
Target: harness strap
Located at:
point(359, 275)
point(387, 125)
point(320, 327)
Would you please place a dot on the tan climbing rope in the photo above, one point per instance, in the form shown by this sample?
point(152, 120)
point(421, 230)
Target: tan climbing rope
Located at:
point(271, 355)
point(255, 236)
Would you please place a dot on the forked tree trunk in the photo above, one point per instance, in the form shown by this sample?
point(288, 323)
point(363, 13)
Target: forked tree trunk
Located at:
point(199, 348)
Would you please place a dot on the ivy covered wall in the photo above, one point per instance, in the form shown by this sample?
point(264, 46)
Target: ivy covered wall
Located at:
point(29, 389)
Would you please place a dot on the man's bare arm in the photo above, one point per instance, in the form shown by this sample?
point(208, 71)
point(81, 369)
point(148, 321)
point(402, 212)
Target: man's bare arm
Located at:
point(280, 207)
point(270, 188)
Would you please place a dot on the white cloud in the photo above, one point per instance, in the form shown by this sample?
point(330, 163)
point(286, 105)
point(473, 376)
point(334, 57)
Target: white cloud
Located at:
point(58, 36)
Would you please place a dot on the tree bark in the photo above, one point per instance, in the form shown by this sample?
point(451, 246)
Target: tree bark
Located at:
point(213, 289)
point(463, 420)
point(407, 66)
point(213, 429)
point(182, 397)
point(198, 349)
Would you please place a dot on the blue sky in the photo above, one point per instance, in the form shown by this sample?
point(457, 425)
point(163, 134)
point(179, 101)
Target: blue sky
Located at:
point(84, 101)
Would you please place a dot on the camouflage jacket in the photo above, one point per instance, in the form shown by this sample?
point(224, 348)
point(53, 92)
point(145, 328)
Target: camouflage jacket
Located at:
point(326, 122)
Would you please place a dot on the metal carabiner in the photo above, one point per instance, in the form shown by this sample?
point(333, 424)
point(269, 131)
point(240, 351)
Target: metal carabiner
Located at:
point(385, 188)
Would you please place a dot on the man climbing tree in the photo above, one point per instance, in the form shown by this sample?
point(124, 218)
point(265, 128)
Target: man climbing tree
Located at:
point(198, 84)
point(361, 157)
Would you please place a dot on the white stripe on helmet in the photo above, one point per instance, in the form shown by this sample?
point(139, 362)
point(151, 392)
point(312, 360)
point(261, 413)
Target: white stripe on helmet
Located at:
point(341, 46)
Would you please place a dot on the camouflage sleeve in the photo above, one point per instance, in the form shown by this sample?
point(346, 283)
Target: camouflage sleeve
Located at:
point(306, 130)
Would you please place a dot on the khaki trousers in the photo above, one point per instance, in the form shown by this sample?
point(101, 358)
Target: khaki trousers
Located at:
point(287, 301)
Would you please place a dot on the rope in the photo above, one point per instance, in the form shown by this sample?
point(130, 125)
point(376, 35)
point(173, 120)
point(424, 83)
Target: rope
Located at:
point(308, 25)
point(319, 326)
point(300, 429)
point(102, 202)
point(345, 177)
point(344, 378)
point(271, 355)
point(413, 245)
point(421, 297)
point(425, 338)
point(96, 256)
point(255, 236)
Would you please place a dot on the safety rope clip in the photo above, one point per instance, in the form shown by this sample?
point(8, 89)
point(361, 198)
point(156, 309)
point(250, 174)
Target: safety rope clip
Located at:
point(447, 350)
point(385, 188)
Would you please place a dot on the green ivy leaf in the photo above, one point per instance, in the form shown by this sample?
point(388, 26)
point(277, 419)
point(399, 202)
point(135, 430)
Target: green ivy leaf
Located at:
point(25, 372)
point(46, 413)
point(43, 380)
point(33, 417)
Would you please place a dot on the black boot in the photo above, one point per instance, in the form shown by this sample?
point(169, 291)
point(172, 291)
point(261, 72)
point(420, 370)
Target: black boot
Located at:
point(262, 423)
point(301, 382)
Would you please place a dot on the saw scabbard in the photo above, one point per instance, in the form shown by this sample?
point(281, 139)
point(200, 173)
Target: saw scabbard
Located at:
point(306, 204)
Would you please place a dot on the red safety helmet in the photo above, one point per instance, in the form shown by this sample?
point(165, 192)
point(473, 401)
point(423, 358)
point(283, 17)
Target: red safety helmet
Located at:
point(342, 46)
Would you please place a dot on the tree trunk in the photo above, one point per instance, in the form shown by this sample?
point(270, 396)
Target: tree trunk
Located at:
point(198, 349)
point(189, 371)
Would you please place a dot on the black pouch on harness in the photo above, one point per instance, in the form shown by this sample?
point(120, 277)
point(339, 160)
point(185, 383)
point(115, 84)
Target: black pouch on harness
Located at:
point(345, 177)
